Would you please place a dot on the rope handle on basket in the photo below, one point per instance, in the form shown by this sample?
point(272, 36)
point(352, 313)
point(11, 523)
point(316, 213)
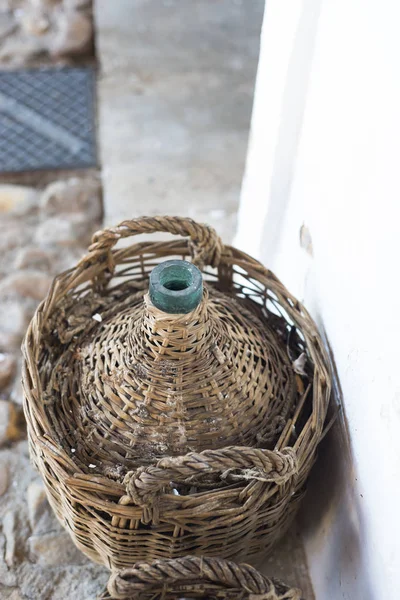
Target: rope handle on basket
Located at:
point(205, 245)
point(171, 578)
point(144, 485)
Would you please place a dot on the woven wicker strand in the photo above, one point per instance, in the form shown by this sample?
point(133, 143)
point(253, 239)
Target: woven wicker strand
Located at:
point(157, 435)
point(197, 578)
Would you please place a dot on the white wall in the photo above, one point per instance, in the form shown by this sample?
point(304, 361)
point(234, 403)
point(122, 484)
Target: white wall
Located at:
point(325, 155)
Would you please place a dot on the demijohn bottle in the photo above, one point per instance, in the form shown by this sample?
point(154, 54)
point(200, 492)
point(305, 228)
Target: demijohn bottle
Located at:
point(186, 368)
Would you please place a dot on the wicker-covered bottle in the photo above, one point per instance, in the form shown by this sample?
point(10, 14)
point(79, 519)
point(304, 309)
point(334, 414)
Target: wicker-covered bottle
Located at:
point(167, 407)
point(177, 368)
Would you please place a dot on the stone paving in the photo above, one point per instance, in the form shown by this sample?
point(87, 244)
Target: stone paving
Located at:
point(46, 222)
point(42, 232)
point(36, 32)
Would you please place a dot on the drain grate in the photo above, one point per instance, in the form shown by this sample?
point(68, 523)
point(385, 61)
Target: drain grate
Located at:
point(47, 119)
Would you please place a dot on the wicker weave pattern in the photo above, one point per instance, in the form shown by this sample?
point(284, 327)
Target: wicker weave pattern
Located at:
point(88, 385)
point(197, 577)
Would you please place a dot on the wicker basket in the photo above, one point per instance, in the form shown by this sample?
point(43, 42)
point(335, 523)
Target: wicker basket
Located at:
point(195, 577)
point(96, 371)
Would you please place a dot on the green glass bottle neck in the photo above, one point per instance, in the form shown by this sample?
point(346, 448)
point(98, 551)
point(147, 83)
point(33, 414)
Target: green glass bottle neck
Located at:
point(176, 286)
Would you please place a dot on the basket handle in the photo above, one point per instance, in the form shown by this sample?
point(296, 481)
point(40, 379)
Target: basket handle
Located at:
point(145, 485)
point(205, 244)
point(171, 578)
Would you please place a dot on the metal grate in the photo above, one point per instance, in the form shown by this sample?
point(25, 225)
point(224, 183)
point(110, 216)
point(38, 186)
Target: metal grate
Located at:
point(47, 119)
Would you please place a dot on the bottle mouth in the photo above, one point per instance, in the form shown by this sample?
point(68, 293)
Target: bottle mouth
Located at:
point(176, 277)
point(176, 286)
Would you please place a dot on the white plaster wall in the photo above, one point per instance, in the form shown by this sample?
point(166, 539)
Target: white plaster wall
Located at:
point(325, 154)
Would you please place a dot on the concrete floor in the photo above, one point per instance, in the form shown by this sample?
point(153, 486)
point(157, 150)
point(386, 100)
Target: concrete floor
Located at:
point(176, 89)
